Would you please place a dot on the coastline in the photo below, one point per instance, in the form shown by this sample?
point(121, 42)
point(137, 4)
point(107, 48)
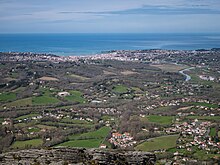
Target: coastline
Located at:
point(84, 44)
point(147, 55)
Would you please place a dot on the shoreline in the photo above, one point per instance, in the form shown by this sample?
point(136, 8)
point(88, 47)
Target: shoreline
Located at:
point(146, 56)
point(110, 51)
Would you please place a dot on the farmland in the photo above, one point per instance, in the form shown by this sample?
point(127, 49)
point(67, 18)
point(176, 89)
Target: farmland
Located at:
point(88, 140)
point(7, 96)
point(159, 143)
point(26, 144)
point(75, 96)
point(120, 89)
point(165, 120)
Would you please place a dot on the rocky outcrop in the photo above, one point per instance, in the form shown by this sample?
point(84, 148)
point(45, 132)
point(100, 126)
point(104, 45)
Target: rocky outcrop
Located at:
point(61, 156)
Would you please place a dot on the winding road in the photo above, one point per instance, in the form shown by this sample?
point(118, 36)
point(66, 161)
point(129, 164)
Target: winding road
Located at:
point(188, 77)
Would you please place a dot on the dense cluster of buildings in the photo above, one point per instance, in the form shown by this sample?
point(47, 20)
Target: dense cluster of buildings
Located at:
point(195, 133)
point(151, 55)
point(122, 140)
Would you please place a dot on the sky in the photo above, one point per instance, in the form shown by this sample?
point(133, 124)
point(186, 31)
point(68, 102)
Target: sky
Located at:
point(109, 16)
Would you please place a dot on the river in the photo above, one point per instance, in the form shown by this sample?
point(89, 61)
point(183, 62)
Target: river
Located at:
point(188, 77)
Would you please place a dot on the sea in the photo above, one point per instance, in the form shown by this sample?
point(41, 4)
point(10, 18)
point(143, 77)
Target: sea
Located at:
point(67, 44)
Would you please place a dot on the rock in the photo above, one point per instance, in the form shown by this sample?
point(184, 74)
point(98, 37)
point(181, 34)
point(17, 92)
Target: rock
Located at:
point(61, 156)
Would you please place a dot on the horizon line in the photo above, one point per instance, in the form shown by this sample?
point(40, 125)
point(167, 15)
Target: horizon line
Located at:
point(110, 33)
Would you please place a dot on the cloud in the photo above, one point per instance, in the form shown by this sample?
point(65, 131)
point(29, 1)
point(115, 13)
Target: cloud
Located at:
point(105, 15)
point(151, 10)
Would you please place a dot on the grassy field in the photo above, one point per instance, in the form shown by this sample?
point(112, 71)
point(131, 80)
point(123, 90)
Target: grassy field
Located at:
point(7, 96)
point(33, 129)
point(165, 120)
point(75, 96)
point(202, 155)
point(14, 75)
point(47, 97)
point(27, 143)
point(22, 125)
point(21, 102)
point(98, 134)
point(1, 120)
point(212, 132)
point(163, 142)
point(45, 100)
point(90, 143)
point(107, 117)
point(211, 118)
point(88, 140)
point(79, 77)
point(120, 89)
point(170, 67)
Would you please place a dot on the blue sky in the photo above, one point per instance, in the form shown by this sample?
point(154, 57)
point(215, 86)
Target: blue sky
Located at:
point(109, 16)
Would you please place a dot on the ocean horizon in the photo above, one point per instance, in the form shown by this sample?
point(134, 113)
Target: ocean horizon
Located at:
point(76, 44)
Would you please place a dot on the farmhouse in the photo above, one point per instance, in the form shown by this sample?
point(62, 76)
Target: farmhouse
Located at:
point(63, 94)
point(102, 146)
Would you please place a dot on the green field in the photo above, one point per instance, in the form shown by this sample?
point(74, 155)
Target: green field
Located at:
point(211, 118)
point(45, 100)
point(14, 75)
point(202, 155)
point(33, 129)
point(75, 96)
point(120, 89)
point(171, 67)
point(88, 140)
point(27, 143)
point(79, 77)
point(1, 120)
point(165, 120)
point(163, 142)
point(21, 125)
point(7, 96)
point(98, 134)
point(212, 132)
point(47, 97)
point(90, 143)
point(21, 102)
